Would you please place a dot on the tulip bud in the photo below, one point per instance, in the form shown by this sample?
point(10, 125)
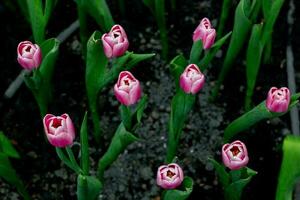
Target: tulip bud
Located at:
point(29, 55)
point(127, 89)
point(278, 100)
point(191, 80)
point(235, 155)
point(206, 33)
point(115, 43)
point(59, 130)
point(169, 176)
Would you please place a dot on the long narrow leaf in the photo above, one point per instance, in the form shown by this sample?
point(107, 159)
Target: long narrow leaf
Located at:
point(290, 170)
point(241, 29)
point(84, 146)
point(254, 116)
point(253, 60)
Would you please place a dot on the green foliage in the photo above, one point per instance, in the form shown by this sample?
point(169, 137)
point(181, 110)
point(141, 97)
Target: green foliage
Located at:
point(88, 187)
point(289, 171)
point(181, 106)
point(84, 147)
point(157, 7)
point(40, 81)
point(99, 10)
point(177, 66)
point(39, 17)
point(245, 14)
point(233, 182)
point(181, 193)
point(204, 62)
point(254, 116)
point(196, 52)
point(226, 6)
point(7, 171)
point(120, 141)
point(98, 75)
point(253, 60)
point(234, 190)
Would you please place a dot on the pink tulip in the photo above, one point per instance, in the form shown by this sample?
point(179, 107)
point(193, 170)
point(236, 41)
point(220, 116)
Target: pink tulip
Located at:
point(115, 43)
point(127, 89)
point(191, 80)
point(29, 55)
point(169, 176)
point(278, 100)
point(206, 33)
point(235, 155)
point(59, 130)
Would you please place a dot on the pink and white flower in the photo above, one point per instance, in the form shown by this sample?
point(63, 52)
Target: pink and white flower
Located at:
point(29, 55)
point(169, 176)
point(115, 43)
point(278, 100)
point(235, 155)
point(127, 89)
point(191, 80)
point(59, 130)
point(206, 33)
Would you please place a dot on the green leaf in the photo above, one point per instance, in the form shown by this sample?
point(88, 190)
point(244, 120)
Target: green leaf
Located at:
point(270, 20)
point(50, 50)
point(88, 187)
point(38, 24)
point(203, 64)
point(235, 189)
point(60, 153)
point(137, 58)
point(8, 173)
point(253, 61)
point(240, 33)
point(49, 6)
point(139, 111)
point(6, 147)
point(40, 82)
point(196, 52)
point(96, 69)
point(181, 106)
point(178, 194)
point(120, 141)
point(161, 23)
point(99, 10)
point(84, 146)
point(125, 116)
point(137, 114)
point(223, 176)
point(289, 171)
point(177, 66)
point(254, 116)
point(226, 7)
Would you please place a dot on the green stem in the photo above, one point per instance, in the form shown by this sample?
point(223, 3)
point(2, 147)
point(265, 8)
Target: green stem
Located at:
point(226, 6)
point(82, 16)
point(171, 150)
point(82, 188)
point(72, 158)
point(161, 22)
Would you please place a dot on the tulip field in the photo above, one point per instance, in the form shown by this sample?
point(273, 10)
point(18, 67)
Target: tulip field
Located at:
point(149, 100)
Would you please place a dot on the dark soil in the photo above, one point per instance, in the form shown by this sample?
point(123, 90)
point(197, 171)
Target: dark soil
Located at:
point(132, 176)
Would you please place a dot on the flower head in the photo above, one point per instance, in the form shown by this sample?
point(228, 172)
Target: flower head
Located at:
point(278, 100)
point(29, 55)
point(235, 155)
point(59, 130)
point(169, 176)
point(115, 42)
